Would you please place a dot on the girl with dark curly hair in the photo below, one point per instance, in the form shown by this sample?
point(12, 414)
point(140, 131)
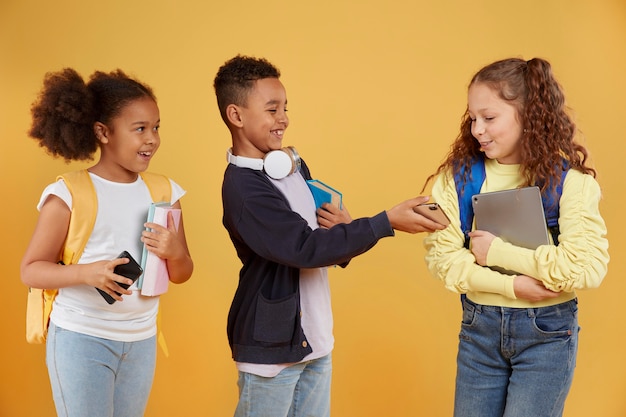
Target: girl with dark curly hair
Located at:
point(100, 355)
point(519, 333)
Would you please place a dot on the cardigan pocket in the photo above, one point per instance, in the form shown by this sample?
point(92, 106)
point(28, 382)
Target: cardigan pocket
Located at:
point(275, 319)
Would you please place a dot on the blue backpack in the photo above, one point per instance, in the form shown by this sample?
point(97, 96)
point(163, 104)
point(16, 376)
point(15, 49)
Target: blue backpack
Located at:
point(465, 191)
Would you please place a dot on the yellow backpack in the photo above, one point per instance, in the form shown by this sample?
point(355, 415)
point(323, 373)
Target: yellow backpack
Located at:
point(84, 210)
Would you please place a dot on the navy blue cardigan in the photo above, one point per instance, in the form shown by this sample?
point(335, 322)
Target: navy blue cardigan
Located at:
point(273, 243)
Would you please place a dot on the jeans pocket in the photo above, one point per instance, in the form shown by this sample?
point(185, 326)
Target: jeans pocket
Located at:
point(556, 321)
point(469, 314)
point(275, 320)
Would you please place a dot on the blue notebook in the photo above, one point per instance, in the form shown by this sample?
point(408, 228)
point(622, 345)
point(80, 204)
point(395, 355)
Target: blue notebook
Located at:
point(323, 193)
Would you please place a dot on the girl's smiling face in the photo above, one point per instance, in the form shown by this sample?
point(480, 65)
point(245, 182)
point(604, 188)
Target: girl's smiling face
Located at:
point(131, 140)
point(495, 124)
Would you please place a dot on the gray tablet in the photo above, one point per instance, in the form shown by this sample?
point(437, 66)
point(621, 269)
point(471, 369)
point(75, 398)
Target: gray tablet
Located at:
point(515, 215)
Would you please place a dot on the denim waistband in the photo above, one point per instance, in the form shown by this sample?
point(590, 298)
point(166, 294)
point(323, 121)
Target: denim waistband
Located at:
point(570, 305)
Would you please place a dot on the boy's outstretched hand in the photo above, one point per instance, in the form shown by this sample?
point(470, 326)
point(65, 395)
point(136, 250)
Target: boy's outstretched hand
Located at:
point(403, 218)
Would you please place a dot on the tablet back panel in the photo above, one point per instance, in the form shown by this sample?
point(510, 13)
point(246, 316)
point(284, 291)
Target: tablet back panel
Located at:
point(515, 215)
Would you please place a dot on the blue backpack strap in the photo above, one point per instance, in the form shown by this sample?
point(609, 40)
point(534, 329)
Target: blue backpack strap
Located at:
point(551, 205)
point(465, 191)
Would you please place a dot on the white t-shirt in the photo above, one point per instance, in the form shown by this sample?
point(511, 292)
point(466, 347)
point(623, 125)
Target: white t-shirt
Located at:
point(317, 315)
point(122, 211)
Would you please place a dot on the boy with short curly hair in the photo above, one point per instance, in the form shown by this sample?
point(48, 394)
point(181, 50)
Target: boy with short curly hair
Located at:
point(280, 322)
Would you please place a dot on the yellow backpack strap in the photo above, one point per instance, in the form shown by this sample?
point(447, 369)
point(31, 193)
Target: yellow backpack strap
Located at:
point(160, 190)
point(159, 186)
point(82, 220)
point(84, 211)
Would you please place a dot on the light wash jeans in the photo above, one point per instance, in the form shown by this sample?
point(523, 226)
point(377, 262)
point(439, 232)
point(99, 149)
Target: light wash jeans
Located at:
point(97, 377)
point(301, 390)
point(515, 362)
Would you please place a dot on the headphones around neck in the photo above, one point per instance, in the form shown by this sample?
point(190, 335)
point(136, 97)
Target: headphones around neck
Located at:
point(276, 164)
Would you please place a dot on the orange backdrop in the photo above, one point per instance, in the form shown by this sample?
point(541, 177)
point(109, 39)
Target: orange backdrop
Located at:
point(376, 90)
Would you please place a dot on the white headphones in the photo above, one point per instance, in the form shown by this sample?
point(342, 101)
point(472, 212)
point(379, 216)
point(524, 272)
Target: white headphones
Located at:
point(276, 164)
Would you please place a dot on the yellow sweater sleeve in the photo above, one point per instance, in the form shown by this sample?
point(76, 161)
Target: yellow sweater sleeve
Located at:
point(581, 258)
point(449, 261)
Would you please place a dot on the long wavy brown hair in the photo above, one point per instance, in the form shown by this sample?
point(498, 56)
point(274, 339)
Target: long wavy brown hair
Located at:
point(548, 143)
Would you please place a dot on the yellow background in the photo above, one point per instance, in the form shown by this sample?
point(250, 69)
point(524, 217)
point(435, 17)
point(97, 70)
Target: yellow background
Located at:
point(376, 90)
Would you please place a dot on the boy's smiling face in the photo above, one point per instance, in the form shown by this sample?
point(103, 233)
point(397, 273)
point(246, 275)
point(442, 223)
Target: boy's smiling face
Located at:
point(262, 120)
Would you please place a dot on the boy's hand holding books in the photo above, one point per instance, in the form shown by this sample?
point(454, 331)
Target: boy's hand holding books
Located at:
point(329, 215)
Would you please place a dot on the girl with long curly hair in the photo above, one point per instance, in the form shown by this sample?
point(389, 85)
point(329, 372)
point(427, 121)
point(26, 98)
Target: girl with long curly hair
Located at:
point(519, 333)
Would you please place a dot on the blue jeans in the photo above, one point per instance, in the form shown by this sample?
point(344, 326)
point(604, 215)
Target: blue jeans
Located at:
point(515, 362)
point(97, 377)
point(300, 390)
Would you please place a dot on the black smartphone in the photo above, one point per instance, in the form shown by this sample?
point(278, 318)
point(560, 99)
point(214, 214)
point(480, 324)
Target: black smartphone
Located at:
point(130, 270)
point(432, 211)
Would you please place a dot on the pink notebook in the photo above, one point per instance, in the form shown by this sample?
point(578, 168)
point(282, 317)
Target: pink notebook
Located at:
point(155, 279)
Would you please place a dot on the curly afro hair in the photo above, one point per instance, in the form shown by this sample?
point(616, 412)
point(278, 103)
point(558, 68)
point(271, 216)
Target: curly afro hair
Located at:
point(66, 109)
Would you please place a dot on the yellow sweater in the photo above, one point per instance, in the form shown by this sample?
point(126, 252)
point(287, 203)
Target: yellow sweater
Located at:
point(579, 261)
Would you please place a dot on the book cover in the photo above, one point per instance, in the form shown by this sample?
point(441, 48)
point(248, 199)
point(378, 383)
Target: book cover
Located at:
point(323, 193)
point(155, 278)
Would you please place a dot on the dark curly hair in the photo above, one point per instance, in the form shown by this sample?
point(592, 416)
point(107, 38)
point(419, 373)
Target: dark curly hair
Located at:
point(236, 78)
point(548, 133)
point(66, 109)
